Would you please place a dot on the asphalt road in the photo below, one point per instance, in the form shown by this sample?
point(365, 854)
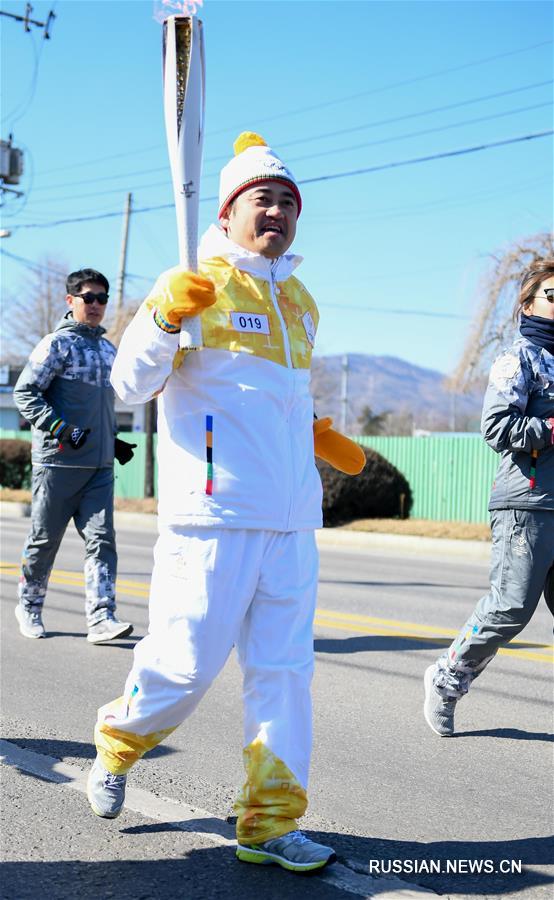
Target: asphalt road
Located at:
point(393, 798)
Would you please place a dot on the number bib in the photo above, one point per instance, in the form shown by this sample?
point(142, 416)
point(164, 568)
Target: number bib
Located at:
point(257, 323)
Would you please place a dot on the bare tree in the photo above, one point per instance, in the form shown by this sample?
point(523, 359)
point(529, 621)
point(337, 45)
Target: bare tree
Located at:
point(33, 311)
point(38, 305)
point(493, 326)
point(116, 324)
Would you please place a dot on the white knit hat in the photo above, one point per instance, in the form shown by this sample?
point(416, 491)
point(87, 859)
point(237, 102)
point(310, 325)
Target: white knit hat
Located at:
point(253, 161)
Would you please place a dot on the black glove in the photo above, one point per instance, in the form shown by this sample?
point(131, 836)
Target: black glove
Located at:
point(73, 435)
point(123, 451)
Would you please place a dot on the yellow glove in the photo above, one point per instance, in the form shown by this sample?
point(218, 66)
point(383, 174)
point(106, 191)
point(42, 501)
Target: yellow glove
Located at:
point(336, 449)
point(178, 294)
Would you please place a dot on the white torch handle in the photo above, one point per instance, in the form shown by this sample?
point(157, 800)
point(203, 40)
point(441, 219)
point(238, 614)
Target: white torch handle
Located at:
point(184, 90)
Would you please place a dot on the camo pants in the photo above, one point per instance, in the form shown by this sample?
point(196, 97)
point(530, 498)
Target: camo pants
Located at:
point(86, 496)
point(522, 568)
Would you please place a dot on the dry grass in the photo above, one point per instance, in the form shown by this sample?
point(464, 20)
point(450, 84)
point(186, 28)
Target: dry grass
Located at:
point(420, 527)
point(145, 505)
point(464, 531)
point(138, 504)
point(15, 496)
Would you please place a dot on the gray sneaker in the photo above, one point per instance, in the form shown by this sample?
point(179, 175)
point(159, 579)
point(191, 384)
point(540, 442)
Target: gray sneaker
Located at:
point(293, 851)
point(438, 712)
point(108, 629)
point(30, 622)
point(105, 792)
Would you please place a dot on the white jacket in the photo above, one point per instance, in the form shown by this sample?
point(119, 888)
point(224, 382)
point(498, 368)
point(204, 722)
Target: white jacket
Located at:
point(246, 393)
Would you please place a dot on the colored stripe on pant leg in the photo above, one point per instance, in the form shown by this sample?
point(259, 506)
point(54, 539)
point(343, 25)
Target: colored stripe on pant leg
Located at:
point(120, 750)
point(272, 797)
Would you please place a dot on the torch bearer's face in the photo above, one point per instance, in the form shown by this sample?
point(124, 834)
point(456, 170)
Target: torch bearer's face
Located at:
point(263, 219)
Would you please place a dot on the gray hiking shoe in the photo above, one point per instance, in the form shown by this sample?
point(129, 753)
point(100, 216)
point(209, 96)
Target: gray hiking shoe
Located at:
point(30, 622)
point(438, 712)
point(105, 792)
point(108, 629)
point(293, 851)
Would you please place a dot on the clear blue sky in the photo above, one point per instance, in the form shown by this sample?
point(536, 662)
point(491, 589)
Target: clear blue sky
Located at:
point(334, 87)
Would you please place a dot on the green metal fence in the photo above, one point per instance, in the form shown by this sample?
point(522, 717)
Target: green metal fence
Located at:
point(450, 477)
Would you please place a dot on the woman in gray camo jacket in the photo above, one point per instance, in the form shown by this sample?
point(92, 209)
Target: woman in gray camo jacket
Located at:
point(517, 422)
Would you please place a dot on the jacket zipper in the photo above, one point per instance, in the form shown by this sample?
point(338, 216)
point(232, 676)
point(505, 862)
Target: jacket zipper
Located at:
point(286, 343)
point(99, 351)
point(286, 346)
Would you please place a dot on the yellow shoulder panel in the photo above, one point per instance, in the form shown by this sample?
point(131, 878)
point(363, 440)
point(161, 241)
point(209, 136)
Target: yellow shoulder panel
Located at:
point(244, 318)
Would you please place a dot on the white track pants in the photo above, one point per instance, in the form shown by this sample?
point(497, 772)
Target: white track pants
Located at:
point(211, 589)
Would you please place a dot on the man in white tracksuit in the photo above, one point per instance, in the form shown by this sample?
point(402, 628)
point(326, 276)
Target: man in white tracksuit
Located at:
point(239, 498)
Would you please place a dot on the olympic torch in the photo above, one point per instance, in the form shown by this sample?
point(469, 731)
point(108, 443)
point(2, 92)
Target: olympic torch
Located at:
point(184, 96)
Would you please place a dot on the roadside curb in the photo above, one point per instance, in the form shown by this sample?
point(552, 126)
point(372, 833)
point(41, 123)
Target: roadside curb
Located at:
point(11, 510)
point(338, 538)
point(406, 543)
point(347, 876)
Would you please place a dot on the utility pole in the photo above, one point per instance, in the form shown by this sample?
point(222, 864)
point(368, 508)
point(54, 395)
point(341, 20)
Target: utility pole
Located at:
point(11, 158)
point(11, 167)
point(453, 399)
point(344, 393)
point(123, 256)
point(27, 21)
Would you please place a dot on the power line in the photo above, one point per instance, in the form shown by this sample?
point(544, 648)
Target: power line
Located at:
point(412, 115)
point(29, 264)
point(387, 87)
point(351, 147)
point(411, 134)
point(20, 110)
point(106, 215)
point(38, 268)
point(330, 177)
point(389, 121)
point(343, 99)
point(399, 137)
point(422, 159)
point(429, 207)
point(98, 159)
point(395, 312)
point(126, 175)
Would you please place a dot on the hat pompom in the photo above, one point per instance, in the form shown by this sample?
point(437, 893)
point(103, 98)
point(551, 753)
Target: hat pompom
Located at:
point(248, 139)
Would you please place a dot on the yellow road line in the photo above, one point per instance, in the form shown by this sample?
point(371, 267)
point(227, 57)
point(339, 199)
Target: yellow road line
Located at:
point(76, 579)
point(325, 618)
point(392, 623)
point(380, 632)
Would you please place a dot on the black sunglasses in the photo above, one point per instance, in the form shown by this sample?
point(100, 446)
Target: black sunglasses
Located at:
point(90, 297)
point(549, 294)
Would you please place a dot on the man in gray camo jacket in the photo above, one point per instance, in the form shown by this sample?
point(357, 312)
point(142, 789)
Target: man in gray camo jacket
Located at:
point(65, 393)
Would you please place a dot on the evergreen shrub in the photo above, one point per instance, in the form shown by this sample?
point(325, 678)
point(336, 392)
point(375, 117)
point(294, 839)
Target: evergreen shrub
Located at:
point(15, 463)
point(379, 492)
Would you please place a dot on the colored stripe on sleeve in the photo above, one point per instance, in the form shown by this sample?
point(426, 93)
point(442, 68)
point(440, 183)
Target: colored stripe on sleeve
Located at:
point(164, 325)
point(533, 470)
point(209, 455)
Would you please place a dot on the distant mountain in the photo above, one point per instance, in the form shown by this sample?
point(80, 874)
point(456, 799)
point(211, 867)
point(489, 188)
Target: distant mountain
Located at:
point(416, 397)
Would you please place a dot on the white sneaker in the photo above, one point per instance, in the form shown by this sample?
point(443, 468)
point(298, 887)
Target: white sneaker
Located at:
point(438, 712)
point(105, 791)
point(30, 622)
point(108, 629)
